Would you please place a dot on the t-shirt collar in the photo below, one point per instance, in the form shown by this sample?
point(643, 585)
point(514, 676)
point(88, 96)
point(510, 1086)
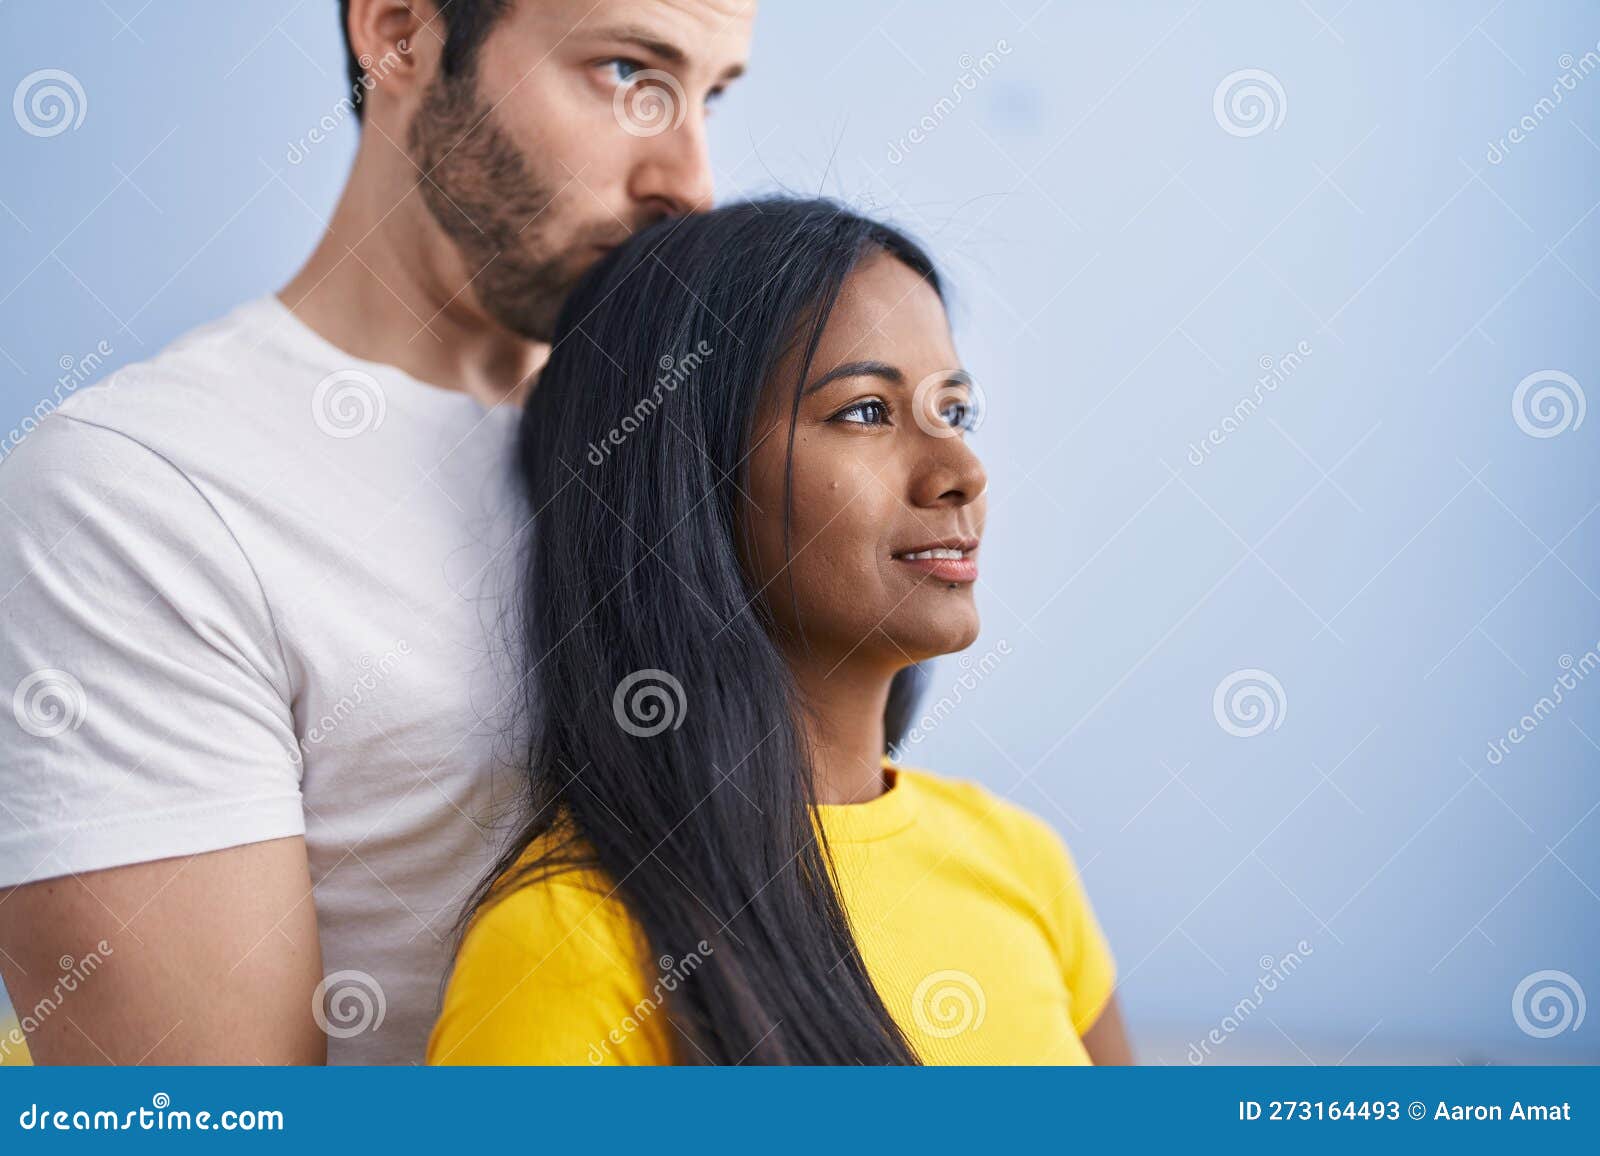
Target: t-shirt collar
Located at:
point(892, 811)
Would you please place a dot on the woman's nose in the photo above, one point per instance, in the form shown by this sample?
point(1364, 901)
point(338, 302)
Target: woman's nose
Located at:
point(947, 471)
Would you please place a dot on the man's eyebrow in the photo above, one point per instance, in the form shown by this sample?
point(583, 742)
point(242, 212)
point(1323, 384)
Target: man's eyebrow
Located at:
point(652, 43)
point(859, 369)
point(644, 38)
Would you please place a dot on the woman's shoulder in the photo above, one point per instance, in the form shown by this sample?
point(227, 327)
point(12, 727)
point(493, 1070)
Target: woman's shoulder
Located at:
point(1011, 843)
point(550, 972)
point(559, 910)
point(954, 807)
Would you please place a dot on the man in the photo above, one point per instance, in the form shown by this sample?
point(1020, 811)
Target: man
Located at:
point(250, 587)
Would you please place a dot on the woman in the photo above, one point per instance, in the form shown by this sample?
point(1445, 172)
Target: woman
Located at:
point(754, 506)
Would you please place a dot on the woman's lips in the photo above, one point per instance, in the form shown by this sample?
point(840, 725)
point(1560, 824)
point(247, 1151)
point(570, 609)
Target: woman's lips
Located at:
point(948, 564)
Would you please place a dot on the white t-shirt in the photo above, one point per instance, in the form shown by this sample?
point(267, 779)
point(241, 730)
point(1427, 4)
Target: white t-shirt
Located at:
point(253, 588)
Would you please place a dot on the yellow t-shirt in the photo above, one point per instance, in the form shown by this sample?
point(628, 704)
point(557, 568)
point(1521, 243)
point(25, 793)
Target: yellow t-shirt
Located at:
point(969, 913)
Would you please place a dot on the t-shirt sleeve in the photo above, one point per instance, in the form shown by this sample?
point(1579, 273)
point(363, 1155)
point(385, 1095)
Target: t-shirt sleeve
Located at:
point(149, 696)
point(551, 975)
point(1086, 960)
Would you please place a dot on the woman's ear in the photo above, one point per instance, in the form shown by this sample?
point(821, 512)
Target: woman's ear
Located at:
point(398, 44)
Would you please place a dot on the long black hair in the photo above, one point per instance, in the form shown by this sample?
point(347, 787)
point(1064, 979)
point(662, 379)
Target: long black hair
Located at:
point(666, 746)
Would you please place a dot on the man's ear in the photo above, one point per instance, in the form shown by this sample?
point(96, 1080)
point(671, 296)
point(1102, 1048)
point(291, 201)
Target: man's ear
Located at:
point(399, 44)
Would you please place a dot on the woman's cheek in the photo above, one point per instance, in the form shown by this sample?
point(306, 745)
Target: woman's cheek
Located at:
point(830, 507)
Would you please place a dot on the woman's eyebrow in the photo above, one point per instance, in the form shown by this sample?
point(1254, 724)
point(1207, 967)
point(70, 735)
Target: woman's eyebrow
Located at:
point(859, 369)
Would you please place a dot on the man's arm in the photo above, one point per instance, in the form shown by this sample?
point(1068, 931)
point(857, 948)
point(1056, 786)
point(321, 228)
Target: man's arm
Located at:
point(155, 900)
point(200, 960)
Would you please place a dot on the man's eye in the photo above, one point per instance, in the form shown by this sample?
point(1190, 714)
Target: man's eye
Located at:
point(864, 413)
point(622, 69)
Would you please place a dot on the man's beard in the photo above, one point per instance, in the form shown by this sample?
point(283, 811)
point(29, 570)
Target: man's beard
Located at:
point(478, 187)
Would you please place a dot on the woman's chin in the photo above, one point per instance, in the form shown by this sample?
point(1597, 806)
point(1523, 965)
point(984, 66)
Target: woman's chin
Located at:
point(946, 633)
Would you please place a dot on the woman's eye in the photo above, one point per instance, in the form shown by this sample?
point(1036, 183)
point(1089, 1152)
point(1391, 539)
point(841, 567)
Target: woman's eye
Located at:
point(864, 413)
point(961, 415)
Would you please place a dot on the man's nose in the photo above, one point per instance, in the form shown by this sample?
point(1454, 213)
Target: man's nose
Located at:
point(674, 168)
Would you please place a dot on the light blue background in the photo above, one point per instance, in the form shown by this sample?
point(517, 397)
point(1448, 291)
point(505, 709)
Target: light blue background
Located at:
point(1380, 535)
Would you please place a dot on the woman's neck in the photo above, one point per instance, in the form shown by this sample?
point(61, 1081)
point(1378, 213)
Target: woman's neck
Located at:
point(844, 727)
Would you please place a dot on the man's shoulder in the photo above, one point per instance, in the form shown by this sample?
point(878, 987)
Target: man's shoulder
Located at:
point(223, 379)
